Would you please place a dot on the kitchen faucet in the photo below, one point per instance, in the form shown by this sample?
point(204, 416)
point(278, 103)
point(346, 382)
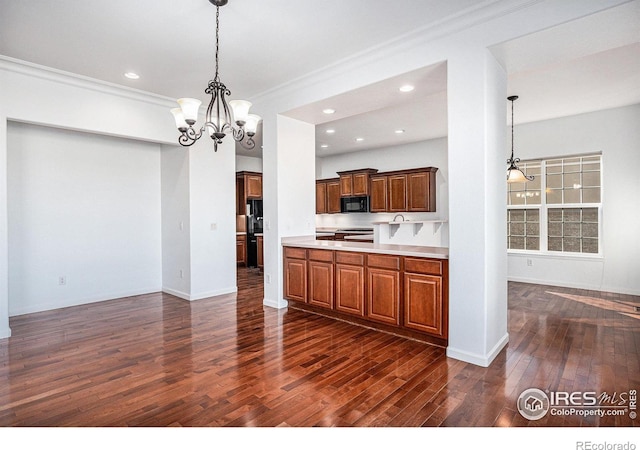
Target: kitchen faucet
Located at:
point(398, 215)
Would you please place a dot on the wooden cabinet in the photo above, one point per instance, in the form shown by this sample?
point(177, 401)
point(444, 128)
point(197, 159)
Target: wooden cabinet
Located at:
point(321, 278)
point(321, 197)
point(248, 187)
point(422, 190)
point(383, 288)
point(378, 200)
point(295, 274)
point(241, 249)
point(328, 196)
point(260, 240)
point(425, 294)
point(355, 183)
point(333, 196)
point(350, 283)
point(397, 196)
point(408, 295)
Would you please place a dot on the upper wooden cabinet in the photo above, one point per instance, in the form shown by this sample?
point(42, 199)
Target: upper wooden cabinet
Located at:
point(321, 197)
point(411, 190)
point(355, 183)
point(328, 196)
point(248, 187)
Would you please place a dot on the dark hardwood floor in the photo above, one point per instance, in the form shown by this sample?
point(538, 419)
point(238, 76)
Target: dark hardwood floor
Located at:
point(156, 360)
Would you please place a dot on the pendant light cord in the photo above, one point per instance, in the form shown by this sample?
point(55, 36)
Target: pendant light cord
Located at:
point(512, 129)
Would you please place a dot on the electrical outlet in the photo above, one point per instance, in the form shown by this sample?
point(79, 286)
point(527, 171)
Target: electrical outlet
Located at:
point(214, 226)
point(181, 275)
point(529, 262)
point(267, 278)
point(62, 280)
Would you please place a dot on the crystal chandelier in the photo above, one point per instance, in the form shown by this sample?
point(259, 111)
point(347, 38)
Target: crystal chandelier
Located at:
point(218, 120)
point(514, 173)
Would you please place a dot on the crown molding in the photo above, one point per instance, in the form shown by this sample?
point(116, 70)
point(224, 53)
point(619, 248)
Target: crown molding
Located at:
point(59, 76)
point(480, 13)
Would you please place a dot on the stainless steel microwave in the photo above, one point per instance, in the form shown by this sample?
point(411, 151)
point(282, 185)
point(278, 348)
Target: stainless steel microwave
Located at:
point(354, 204)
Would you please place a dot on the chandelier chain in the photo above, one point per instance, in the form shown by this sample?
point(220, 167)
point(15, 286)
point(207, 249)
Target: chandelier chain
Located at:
point(217, 77)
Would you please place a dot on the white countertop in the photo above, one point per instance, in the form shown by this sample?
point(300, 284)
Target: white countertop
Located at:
point(367, 247)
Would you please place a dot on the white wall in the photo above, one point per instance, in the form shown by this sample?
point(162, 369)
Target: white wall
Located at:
point(85, 207)
point(430, 153)
point(176, 214)
point(212, 193)
point(616, 134)
point(248, 164)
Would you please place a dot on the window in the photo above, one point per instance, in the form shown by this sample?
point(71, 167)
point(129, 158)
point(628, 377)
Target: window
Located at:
point(559, 211)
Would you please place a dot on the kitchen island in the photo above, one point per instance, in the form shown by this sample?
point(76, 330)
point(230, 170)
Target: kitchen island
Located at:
point(398, 289)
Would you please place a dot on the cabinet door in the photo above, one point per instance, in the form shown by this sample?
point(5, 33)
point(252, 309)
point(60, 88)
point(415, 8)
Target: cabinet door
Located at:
point(421, 195)
point(333, 197)
point(423, 303)
point(321, 197)
point(295, 279)
point(260, 251)
point(241, 200)
point(383, 295)
point(346, 185)
point(241, 249)
point(350, 289)
point(378, 201)
point(397, 185)
point(360, 185)
point(321, 284)
point(253, 186)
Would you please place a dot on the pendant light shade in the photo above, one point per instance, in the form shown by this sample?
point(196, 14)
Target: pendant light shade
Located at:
point(514, 173)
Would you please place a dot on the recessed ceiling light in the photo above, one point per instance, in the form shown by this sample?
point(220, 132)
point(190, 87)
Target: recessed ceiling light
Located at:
point(324, 146)
point(132, 75)
point(399, 131)
point(328, 111)
point(331, 131)
point(407, 88)
point(359, 139)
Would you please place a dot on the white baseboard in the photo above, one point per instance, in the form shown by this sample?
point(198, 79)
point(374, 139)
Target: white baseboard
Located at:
point(81, 301)
point(274, 303)
point(5, 333)
point(477, 359)
point(201, 295)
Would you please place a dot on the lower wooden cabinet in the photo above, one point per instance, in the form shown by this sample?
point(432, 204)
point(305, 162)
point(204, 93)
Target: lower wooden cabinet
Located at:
point(407, 294)
point(423, 303)
point(383, 295)
point(241, 249)
point(260, 240)
point(350, 289)
point(295, 277)
point(321, 284)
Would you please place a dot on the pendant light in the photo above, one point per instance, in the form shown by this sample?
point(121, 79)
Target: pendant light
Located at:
point(514, 173)
point(218, 119)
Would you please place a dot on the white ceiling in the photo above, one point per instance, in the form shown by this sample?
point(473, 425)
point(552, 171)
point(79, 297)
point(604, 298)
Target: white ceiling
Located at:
point(585, 65)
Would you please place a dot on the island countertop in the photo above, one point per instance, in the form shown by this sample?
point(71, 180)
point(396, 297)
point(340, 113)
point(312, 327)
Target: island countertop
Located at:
point(367, 247)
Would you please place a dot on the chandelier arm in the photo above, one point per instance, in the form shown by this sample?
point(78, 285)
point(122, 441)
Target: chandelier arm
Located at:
point(189, 136)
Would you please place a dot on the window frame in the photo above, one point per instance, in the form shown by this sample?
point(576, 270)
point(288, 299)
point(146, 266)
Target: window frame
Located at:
point(543, 210)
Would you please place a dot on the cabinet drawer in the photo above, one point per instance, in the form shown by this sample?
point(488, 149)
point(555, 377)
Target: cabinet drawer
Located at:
point(356, 259)
point(384, 261)
point(291, 252)
point(426, 266)
point(321, 255)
